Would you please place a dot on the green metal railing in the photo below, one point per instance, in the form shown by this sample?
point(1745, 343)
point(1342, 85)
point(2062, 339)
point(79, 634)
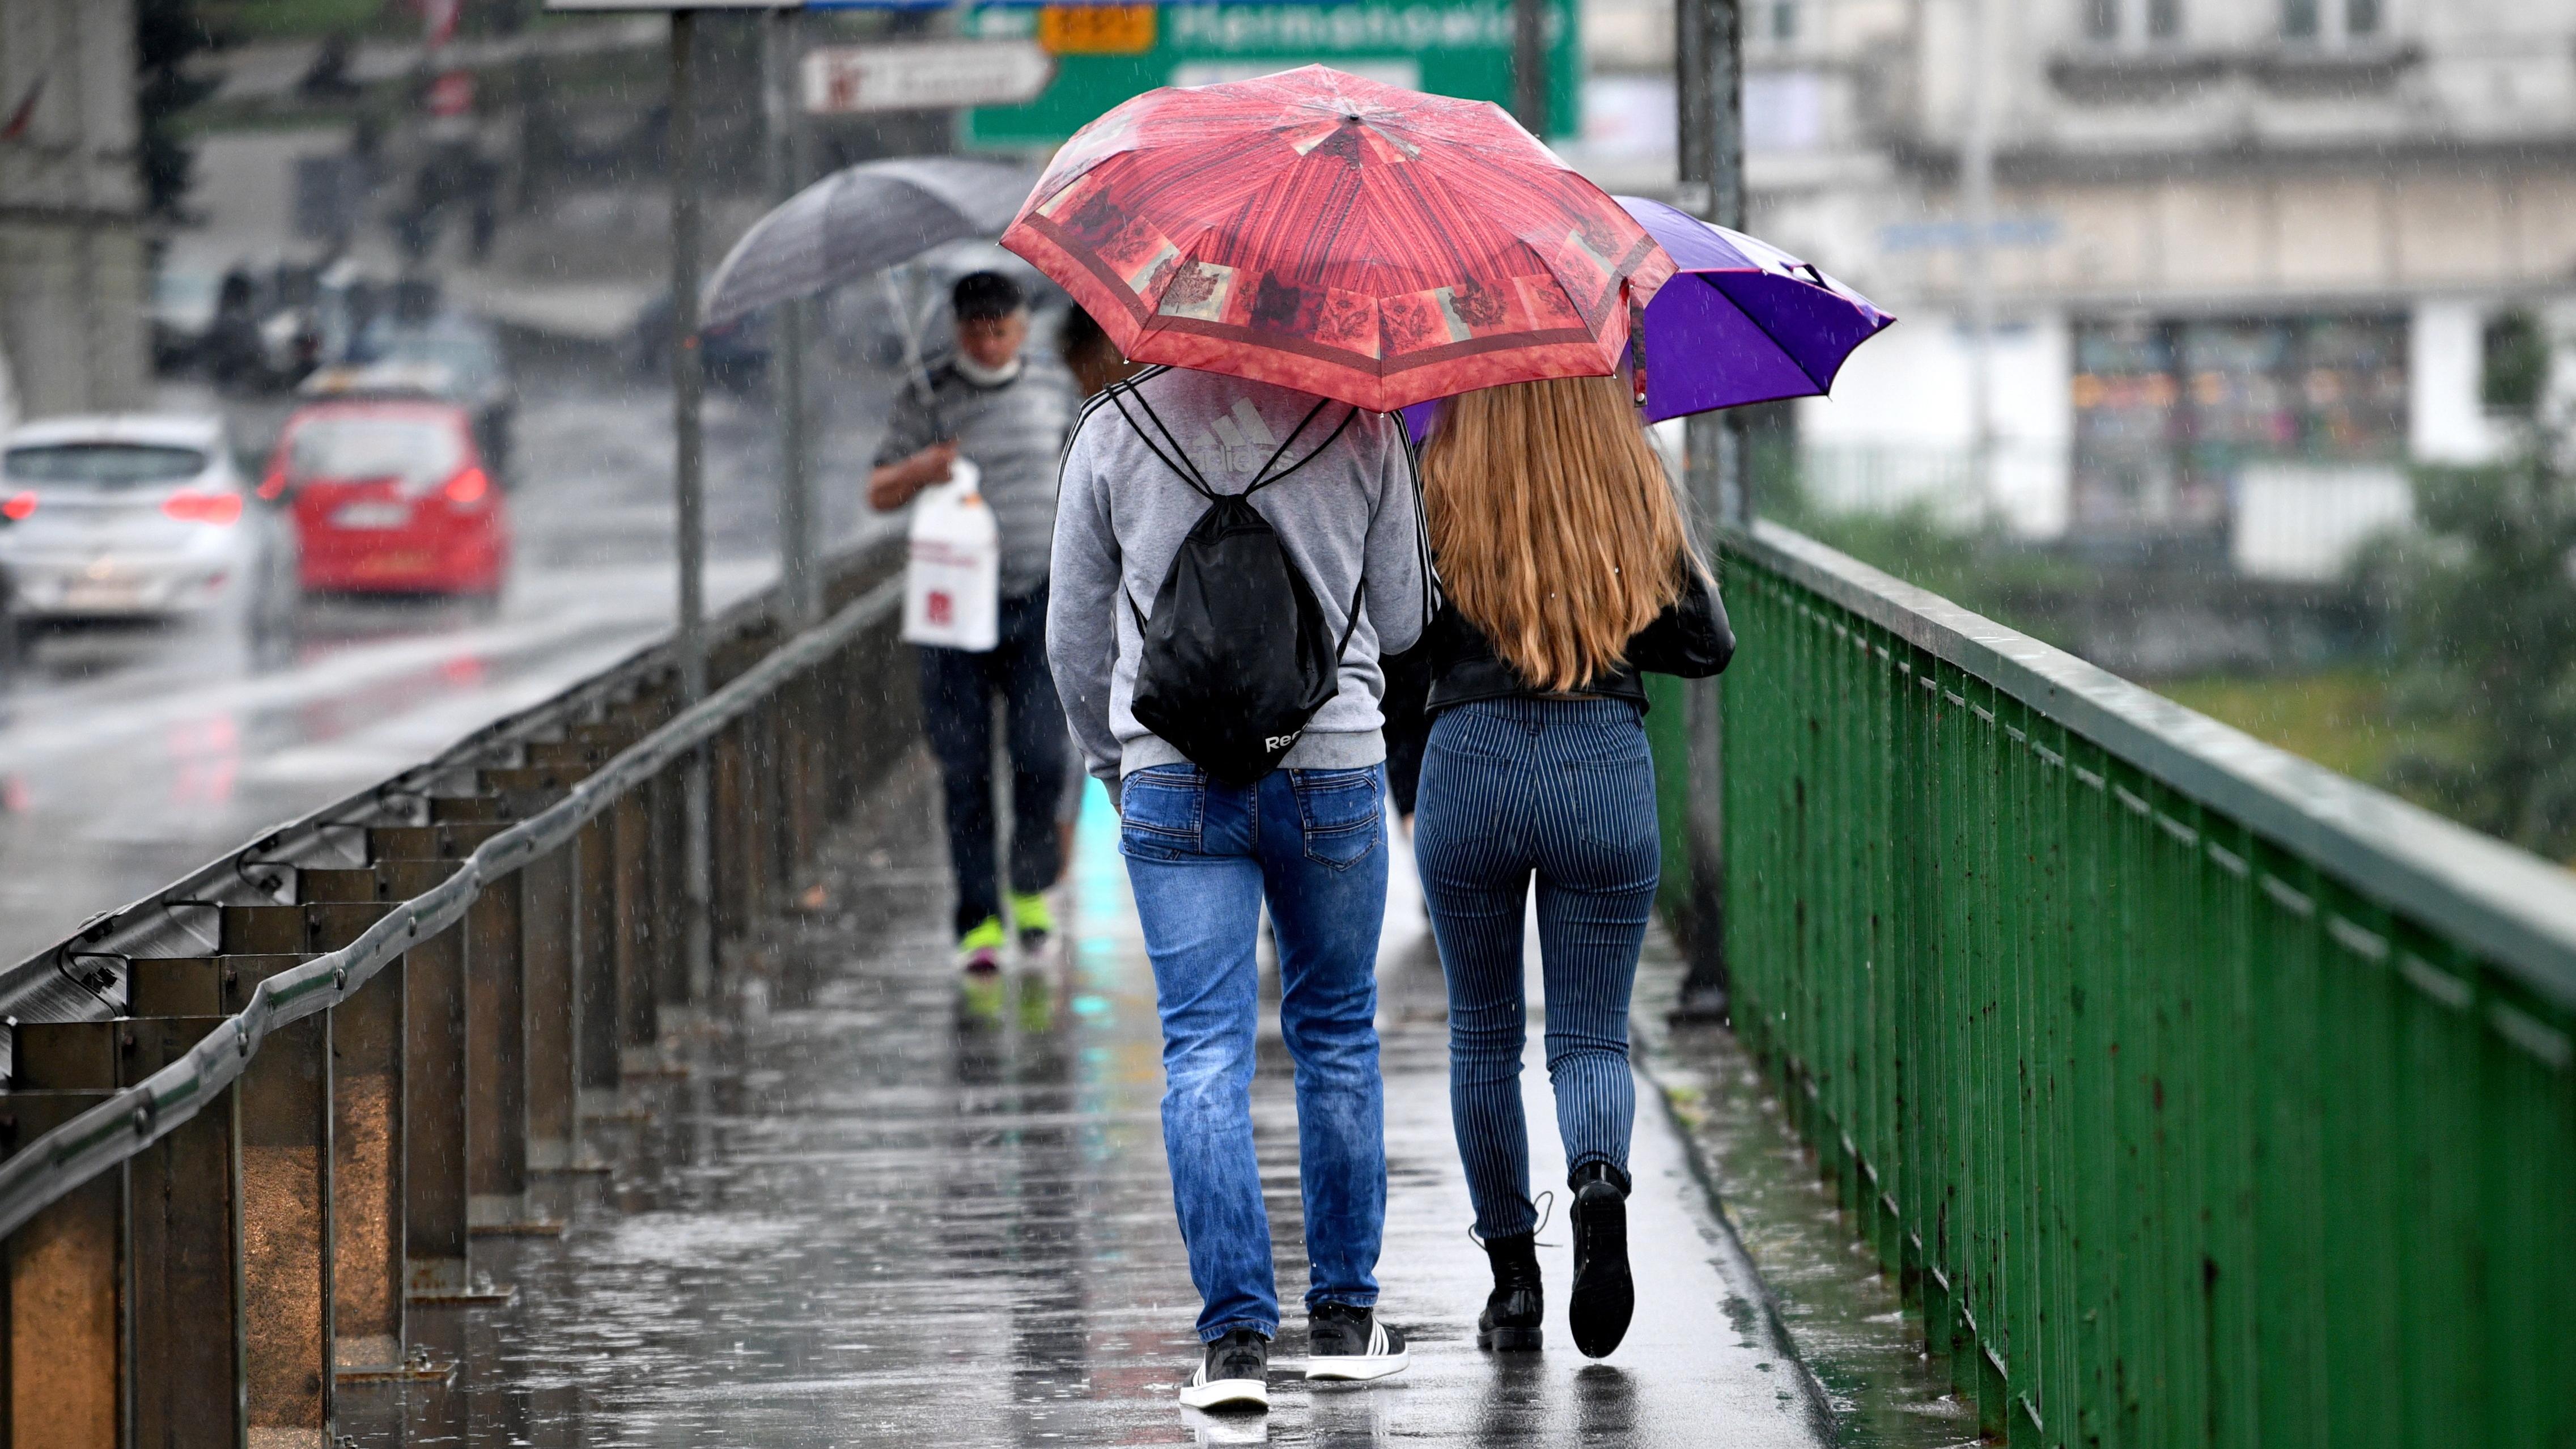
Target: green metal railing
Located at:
point(2196, 1094)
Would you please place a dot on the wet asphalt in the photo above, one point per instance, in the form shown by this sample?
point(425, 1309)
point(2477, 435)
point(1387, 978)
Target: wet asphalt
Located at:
point(870, 1213)
point(131, 755)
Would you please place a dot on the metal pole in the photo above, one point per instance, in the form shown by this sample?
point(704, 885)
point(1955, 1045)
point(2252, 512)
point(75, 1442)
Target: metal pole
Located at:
point(1709, 53)
point(687, 385)
point(1977, 215)
point(1691, 92)
point(1529, 65)
point(796, 511)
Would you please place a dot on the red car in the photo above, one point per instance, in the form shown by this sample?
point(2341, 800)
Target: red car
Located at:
point(391, 497)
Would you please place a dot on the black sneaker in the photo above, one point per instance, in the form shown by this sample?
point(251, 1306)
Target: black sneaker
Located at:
point(1603, 1297)
point(1518, 1305)
point(1349, 1343)
point(1234, 1375)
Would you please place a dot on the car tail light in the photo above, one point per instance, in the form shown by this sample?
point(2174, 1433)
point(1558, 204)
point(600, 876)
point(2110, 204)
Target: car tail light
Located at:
point(273, 487)
point(468, 487)
point(214, 508)
point(18, 506)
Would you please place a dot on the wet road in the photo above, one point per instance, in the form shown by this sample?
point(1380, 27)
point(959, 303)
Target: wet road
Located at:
point(865, 1217)
point(130, 756)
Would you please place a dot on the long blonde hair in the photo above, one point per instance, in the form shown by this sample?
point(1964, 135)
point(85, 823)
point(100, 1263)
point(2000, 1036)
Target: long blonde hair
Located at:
point(1558, 534)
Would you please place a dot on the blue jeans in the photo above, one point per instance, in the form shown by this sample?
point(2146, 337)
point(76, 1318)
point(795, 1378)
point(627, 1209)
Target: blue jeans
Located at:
point(957, 692)
point(1202, 857)
point(1563, 790)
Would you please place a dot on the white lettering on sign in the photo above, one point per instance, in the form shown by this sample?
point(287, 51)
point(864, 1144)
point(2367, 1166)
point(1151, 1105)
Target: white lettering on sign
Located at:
point(925, 76)
point(1338, 28)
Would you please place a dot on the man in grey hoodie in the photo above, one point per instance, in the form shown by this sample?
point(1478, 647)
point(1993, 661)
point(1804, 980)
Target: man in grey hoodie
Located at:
point(1203, 856)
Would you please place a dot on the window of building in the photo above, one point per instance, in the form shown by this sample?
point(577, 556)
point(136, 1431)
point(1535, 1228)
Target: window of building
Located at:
point(1772, 24)
point(2333, 22)
point(2513, 363)
point(2169, 413)
point(2132, 22)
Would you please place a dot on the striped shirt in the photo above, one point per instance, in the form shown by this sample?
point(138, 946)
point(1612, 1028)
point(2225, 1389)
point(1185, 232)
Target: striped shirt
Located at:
point(1012, 433)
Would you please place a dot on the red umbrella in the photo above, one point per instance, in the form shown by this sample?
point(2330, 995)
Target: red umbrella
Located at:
point(1340, 236)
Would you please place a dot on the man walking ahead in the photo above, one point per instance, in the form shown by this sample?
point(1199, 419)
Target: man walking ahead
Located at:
point(1308, 838)
point(1010, 425)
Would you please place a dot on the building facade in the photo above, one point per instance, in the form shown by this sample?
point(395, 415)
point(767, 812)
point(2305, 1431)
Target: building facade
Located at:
point(2247, 258)
point(74, 263)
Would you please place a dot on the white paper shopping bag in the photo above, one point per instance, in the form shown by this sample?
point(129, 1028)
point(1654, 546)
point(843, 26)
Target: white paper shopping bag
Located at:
point(952, 589)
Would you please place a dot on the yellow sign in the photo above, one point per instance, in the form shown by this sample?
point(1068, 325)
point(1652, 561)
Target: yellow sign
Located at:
point(1097, 29)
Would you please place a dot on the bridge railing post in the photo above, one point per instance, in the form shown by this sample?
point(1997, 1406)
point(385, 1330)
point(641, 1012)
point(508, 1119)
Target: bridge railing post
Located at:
point(437, 1231)
point(547, 940)
point(367, 1159)
point(287, 1246)
point(66, 1373)
point(496, 1111)
point(184, 1258)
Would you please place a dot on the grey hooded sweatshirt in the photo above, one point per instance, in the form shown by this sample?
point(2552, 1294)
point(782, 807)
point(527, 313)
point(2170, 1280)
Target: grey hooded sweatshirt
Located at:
point(1121, 514)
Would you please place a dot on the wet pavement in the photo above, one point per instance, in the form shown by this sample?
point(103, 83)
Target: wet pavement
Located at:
point(865, 1216)
point(1843, 1313)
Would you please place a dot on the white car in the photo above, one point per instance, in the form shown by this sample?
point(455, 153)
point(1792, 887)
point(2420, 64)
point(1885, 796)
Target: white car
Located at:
point(142, 516)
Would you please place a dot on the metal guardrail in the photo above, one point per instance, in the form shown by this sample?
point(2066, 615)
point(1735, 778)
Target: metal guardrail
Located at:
point(2192, 1092)
point(46, 1170)
point(234, 1155)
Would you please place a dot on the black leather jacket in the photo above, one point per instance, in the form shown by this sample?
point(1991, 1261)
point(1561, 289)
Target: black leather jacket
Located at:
point(1690, 639)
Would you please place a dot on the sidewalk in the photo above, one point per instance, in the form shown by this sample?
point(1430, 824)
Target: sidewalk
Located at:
point(858, 1222)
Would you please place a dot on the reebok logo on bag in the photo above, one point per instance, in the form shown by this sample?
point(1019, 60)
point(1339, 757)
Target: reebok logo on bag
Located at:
point(1237, 654)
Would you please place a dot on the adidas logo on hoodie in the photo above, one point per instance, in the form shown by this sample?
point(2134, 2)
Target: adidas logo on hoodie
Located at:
point(1234, 442)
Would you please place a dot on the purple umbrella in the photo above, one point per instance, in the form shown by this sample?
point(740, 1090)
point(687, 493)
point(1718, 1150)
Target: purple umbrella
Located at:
point(1741, 322)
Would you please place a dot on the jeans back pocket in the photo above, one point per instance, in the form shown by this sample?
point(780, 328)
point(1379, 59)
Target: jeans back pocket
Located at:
point(1162, 810)
point(1339, 812)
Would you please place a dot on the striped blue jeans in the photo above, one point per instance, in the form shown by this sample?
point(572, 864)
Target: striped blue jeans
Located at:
point(1563, 791)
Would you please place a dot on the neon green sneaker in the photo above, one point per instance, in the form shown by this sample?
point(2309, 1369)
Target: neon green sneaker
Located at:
point(1035, 920)
point(979, 951)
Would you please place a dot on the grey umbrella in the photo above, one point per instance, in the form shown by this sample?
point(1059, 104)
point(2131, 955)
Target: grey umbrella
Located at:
point(860, 220)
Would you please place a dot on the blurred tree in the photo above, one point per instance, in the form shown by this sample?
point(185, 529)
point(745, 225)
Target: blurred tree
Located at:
point(167, 34)
point(2484, 604)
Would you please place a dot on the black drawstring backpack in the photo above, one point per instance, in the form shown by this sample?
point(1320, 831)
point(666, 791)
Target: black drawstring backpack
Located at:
point(1237, 656)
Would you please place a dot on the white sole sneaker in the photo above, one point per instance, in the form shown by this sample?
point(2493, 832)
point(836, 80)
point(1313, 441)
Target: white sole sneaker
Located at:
point(1359, 1370)
point(1386, 1355)
point(1225, 1394)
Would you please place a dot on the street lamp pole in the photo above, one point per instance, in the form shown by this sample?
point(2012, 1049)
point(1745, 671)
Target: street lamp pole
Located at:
point(798, 586)
point(1708, 54)
point(688, 468)
point(1977, 215)
point(1529, 66)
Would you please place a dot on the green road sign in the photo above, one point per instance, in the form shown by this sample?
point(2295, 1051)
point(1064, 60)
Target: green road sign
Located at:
point(1106, 53)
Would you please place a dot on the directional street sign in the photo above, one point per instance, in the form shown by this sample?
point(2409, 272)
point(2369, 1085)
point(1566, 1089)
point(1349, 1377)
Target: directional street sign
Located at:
point(924, 75)
point(1107, 52)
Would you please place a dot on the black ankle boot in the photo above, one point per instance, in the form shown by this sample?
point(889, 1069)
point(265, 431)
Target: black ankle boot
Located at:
point(1518, 1306)
point(1604, 1297)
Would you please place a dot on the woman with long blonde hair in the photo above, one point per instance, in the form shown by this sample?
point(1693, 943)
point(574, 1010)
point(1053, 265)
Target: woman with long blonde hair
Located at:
point(1568, 569)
